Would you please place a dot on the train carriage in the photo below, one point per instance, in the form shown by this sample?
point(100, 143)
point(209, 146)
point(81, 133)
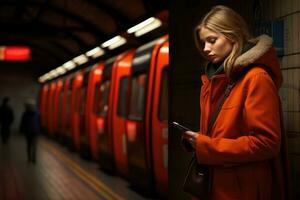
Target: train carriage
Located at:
point(147, 162)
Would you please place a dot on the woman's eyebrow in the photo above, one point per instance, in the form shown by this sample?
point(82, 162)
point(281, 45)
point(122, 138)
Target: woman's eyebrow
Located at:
point(210, 37)
point(207, 37)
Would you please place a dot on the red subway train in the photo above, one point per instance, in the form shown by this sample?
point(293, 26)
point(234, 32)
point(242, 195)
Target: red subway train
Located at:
point(116, 113)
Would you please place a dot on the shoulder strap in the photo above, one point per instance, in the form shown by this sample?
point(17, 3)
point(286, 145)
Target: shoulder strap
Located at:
point(228, 89)
point(220, 103)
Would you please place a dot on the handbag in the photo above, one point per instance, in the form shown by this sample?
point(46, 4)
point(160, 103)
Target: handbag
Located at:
point(197, 181)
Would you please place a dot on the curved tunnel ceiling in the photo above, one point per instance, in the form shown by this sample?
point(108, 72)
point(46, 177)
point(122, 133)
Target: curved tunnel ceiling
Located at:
point(58, 30)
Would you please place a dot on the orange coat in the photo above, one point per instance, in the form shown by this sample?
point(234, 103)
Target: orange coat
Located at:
point(244, 147)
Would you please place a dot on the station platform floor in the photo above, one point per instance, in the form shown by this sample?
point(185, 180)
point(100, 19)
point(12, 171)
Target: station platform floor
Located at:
point(58, 174)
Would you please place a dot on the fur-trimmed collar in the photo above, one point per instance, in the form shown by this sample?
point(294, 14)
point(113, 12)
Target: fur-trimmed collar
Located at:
point(261, 54)
point(262, 46)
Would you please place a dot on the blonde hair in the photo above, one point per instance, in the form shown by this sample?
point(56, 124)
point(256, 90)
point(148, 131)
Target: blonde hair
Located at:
point(224, 20)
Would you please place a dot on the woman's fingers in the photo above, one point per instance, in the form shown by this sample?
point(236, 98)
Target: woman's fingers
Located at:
point(190, 137)
point(190, 134)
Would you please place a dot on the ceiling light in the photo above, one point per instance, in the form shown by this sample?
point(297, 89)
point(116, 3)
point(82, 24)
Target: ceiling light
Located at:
point(53, 73)
point(153, 25)
point(94, 53)
point(69, 65)
point(141, 25)
point(114, 42)
point(47, 76)
point(80, 59)
point(42, 79)
point(60, 70)
point(117, 44)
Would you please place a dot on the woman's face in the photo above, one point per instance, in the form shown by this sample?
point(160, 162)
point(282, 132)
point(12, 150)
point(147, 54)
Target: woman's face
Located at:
point(216, 46)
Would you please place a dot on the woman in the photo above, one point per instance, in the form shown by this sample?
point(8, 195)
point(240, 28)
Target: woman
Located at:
point(245, 146)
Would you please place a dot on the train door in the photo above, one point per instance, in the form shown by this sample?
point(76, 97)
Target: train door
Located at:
point(47, 108)
point(76, 109)
point(58, 91)
point(104, 139)
point(117, 110)
point(43, 106)
point(50, 108)
point(66, 111)
point(139, 139)
point(60, 110)
point(91, 120)
point(83, 115)
point(158, 124)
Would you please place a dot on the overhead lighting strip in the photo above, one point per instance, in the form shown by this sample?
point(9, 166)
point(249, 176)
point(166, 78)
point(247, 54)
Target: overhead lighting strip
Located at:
point(69, 65)
point(117, 41)
point(94, 53)
point(120, 42)
point(141, 25)
point(145, 26)
point(114, 42)
point(80, 59)
point(154, 25)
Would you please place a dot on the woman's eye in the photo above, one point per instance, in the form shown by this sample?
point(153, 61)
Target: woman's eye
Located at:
point(212, 41)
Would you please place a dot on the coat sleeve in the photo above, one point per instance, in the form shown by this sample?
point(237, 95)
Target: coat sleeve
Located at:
point(261, 112)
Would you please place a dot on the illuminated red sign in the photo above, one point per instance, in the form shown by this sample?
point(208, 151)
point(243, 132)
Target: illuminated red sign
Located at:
point(16, 53)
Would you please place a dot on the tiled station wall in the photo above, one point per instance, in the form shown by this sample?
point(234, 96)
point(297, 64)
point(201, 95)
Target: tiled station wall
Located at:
point(289, 12)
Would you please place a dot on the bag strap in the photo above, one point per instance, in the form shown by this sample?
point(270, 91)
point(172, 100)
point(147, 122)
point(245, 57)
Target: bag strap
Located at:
point(217, 110)
point(227, 91)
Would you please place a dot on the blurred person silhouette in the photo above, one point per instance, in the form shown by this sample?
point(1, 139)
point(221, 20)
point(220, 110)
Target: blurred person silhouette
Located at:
point(6, 119)
point(30, 127)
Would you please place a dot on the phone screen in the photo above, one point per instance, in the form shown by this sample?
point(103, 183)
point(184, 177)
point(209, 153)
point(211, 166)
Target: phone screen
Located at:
point(180, 127)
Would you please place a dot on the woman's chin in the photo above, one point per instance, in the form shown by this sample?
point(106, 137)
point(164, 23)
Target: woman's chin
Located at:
point(215, 61)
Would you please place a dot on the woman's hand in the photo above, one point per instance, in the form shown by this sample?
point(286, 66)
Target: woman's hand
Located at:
point(191, 137)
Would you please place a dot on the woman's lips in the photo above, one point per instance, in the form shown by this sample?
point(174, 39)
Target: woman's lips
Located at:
point(211, 57)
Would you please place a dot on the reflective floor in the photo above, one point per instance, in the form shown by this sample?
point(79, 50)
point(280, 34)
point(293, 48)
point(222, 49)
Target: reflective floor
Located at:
point(57, 174)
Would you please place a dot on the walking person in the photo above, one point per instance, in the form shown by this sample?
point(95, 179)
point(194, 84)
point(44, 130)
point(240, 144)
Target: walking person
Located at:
point(241, 137)
point(30, 127)
point(6, 119)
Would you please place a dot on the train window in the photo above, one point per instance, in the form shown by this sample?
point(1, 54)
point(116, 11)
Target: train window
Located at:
point(137, 101)
point(60, 107)
point(80, 100)
point(68, 106)
point(83, 100)
point(96, 98)
point(101, 98)
point(47, 104)
point(122, 97)
point(164, 95)
point(42, 109)
point(83, 94)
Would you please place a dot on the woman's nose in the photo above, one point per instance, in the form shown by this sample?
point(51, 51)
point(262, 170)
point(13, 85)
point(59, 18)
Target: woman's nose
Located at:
point(206, 49)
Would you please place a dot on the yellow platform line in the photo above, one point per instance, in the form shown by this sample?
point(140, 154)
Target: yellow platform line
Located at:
point(88, 178)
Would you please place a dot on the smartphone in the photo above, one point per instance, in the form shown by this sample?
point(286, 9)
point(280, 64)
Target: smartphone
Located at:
point(180, 127)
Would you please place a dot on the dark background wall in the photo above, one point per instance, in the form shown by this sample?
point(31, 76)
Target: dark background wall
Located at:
point(17, 82)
